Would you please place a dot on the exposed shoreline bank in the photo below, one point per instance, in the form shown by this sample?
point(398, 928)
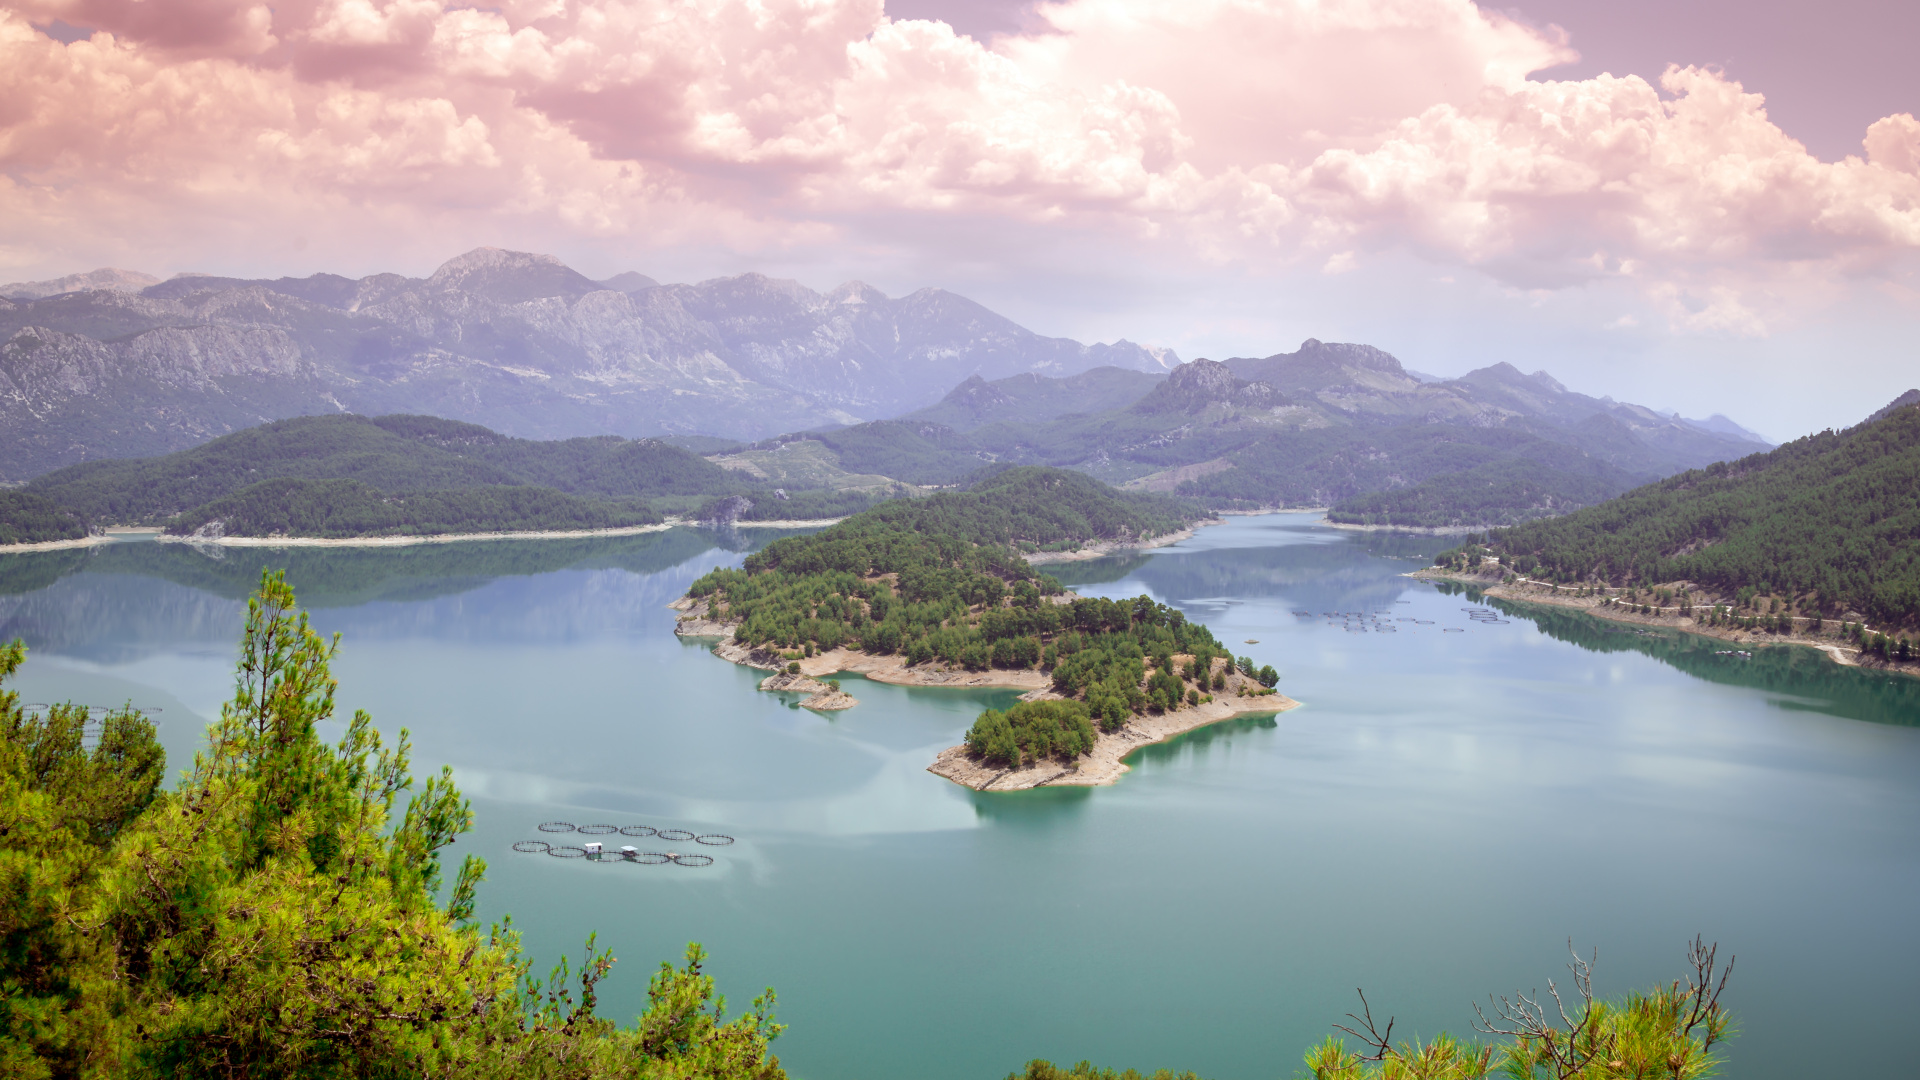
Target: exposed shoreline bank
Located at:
point(55, 545)
point(1417, 530)
point(1106, 762)
point(890, 669)
point(1100, 549)
point(455, 538)
point(405, 541)
point(1549, 595)
point(1100, 766)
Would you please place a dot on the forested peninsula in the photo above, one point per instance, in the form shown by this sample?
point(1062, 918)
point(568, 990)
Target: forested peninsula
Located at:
point(1816, 541)
point(936, 591)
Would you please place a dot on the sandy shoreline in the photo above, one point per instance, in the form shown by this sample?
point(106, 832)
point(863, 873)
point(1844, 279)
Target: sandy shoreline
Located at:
point(1418, 530)
point(405, 541)
point(55, 545)
point(455, 538)
point(1101, 548)
point(1106, 762)
point(1547, 594)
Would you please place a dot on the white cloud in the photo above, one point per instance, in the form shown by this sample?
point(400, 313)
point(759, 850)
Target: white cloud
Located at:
point(1260, 134)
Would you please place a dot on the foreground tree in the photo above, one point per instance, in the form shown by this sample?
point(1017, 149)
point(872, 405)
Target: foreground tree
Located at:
point(1667, 1033)
point(271, 918)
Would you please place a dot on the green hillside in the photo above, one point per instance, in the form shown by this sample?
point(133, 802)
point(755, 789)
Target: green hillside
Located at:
point(349, 508)
point(408, 474)
point(1824, 525)
point(1506, 490)
point(30, 519)
point(395, 454)
point(1419, 474)
point(1034, 399)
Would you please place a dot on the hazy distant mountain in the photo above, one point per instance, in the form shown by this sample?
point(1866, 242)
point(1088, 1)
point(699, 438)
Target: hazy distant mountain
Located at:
point(1324, 425)
point(1343, 383)
point(519, 342)
point(1720, 425)
point(1911, 397)
point(1032, 399)
point(123, 280)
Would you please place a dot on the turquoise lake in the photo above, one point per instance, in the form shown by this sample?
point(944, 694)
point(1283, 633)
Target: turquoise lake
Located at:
point(1444, 812)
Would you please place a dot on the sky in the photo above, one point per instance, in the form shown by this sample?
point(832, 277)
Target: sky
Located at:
point(1710, 206)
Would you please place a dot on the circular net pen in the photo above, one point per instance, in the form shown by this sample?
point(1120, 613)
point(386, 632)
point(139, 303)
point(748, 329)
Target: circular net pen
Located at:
point(714, 839)
point(532, 847)
point(638, 830)
point(567, 851)
point(675, 834)
point(599, 830)
point(556, 826)
point(692, 860)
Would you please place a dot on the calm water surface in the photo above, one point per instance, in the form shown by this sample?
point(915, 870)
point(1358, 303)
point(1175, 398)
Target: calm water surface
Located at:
point(1445, 811)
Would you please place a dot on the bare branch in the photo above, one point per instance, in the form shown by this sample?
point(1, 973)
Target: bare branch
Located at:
point(1374, 1037)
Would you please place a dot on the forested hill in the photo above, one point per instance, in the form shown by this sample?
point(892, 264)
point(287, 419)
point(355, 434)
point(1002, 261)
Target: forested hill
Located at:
point(30, 519)
point(347, 475)
point(1826, 525)
point(1031, 507)
point(390, 453)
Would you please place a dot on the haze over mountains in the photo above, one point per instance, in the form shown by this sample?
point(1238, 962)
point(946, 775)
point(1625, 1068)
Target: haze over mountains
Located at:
point(114, 364)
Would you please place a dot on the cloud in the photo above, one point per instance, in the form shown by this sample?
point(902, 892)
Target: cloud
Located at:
point(1250, 133)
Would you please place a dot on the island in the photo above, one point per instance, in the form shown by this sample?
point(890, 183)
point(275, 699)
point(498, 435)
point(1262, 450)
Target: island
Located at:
point(937, 592)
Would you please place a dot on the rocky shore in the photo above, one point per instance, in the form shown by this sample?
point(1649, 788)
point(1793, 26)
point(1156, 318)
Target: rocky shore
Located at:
point(821, 697)
point(1106, 762)
point(1101, 548)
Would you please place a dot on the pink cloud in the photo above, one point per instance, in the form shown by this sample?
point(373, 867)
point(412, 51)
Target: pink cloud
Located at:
point(1254, 132)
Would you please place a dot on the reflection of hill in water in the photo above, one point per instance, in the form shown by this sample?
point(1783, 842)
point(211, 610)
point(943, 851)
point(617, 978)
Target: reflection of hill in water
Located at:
point(345, 576)
point(120, 602)
point(1348, 574)
point(1805, 679)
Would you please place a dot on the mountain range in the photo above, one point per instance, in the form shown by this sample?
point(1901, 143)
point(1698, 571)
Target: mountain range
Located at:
point(1320, 426)
point(116, 364)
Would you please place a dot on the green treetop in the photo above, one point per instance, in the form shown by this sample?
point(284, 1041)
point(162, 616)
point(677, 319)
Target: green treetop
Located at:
point(272, 917)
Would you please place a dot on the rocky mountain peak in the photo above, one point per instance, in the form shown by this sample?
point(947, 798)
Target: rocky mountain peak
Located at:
point(510, 277)
point(103, 278)
point(629, 281)
point(855, 293)
point(977, 393)
point(1199, 383)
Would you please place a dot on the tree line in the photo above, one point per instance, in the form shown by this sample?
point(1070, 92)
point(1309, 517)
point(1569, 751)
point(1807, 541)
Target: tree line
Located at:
point(349, 508)
point(1826, 524)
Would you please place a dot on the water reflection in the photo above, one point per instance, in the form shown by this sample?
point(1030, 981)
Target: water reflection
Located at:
point(1794, 676)
point(118, 602)
point(347, 576)
point(1321, 569)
